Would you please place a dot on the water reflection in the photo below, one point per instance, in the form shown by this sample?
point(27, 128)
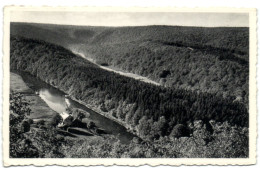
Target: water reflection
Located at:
point(56, 100)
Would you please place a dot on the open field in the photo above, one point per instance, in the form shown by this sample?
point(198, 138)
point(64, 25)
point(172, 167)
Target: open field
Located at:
point(40, 109)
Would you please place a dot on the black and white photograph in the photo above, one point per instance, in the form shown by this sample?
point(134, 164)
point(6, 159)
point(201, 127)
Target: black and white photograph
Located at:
point(130, 84)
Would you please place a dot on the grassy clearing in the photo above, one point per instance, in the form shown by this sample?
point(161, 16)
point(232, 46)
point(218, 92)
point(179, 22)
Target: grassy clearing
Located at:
point(40, 109)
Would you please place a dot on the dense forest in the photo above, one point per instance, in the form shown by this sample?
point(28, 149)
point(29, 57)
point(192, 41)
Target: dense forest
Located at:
point(202, 69)
point(29, 139)
point(151, 111)
point(235, 39)
point(213, 60)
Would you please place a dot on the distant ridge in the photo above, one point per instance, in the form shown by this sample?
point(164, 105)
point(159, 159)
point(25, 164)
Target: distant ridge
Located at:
point(79, 34)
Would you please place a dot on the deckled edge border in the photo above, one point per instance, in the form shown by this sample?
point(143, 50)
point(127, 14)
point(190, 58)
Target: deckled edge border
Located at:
point(130, 161)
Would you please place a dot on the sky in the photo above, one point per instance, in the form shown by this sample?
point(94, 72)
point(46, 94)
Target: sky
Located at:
point(133, 18)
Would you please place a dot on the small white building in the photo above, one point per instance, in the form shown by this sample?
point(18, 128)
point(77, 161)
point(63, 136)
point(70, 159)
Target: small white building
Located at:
point(64, 115)
point(66, 119)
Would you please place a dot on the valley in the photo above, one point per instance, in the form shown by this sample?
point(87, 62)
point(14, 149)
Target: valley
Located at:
point(217, 63)
point(164, 88)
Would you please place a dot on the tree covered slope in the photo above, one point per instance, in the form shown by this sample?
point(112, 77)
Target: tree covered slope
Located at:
point(213, 60)
point(220, 37)
point(128, 100)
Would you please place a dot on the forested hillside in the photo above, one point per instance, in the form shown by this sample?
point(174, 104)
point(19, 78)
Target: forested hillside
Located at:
point(213, 60)
point(150, 110)
point(235, 39)
point(41, 140)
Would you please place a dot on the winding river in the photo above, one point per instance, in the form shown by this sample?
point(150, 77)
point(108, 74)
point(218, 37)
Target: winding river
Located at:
point(131, 75)
point(55, 99)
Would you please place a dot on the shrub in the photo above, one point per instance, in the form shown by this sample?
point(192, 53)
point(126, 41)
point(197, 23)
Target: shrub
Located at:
point(25, 127)
point(180, 130)
point(164, 73)
point(40, 123)
point(55, 120)
point(30, 121)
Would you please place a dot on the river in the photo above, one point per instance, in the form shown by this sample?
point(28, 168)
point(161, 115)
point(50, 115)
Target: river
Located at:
point(55, 99)
point(131, 75)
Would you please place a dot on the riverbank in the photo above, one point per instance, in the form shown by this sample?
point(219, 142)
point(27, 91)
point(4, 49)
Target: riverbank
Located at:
point(40, 110)
point(97, 110)
point(105, 114)
point(54, 98)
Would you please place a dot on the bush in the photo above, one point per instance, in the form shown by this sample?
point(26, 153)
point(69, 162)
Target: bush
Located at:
point(55, 120)
point(180, 130)
point(79, 114)
point(30, 121)
point(40, 123)
point(25, 127)
point(164, 73)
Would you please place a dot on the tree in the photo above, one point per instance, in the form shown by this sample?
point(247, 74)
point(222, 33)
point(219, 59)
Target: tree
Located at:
point(20, 146)
point(28, 142)
point(18, 109)
point(55, 120)
point(79, 114)
point(25, 126)
point(180, 131)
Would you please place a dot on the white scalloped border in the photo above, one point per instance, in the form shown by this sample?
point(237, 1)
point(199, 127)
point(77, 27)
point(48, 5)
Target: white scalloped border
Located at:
point(130, 161)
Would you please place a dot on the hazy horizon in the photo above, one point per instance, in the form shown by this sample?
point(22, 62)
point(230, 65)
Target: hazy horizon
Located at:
point(122, 19)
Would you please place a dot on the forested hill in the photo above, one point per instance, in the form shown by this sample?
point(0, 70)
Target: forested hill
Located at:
point(151, 110)
point(213, 60)
point(234, 39)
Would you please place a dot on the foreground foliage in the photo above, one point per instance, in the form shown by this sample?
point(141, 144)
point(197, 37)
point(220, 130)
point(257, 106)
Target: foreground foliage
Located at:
point(29, 141)
point(26, 141)
point(225, 142)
